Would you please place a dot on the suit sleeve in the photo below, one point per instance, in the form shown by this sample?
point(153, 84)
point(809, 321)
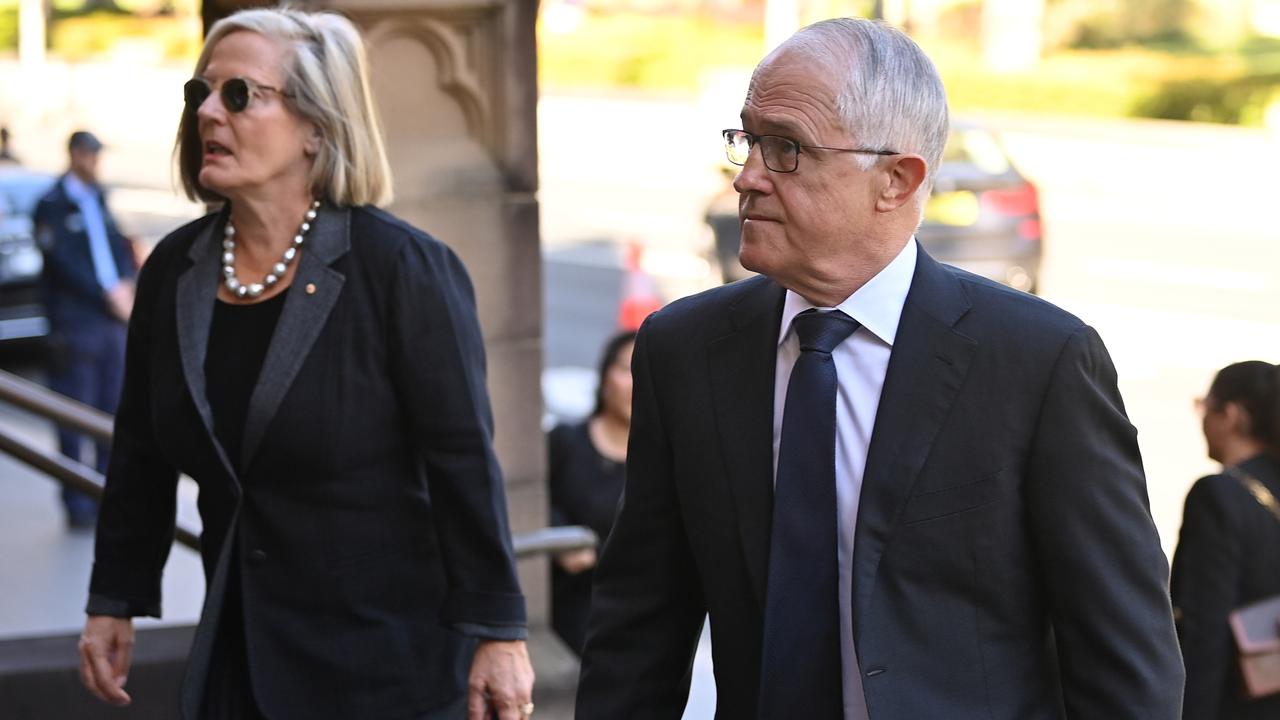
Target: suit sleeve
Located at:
point(557, 450)
point(139, 504)
point(69, 265)
point(1106, 576)
point(1206, 574)
point(122, 251)
point(647, 607)
point(438, 366)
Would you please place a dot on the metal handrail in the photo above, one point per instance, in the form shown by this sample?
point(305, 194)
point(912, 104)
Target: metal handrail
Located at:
point(74, 475)
point(61, 409)
point(555, 539)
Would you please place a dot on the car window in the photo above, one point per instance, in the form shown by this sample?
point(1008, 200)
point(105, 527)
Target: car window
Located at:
point(978, 148)
point(20, 193)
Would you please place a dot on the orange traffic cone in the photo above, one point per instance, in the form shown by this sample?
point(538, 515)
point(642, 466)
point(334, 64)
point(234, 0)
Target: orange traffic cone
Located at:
point(639, 297)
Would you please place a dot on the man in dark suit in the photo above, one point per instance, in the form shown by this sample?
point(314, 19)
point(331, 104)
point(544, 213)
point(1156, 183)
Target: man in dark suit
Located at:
point(88, 292)
point(900, 491)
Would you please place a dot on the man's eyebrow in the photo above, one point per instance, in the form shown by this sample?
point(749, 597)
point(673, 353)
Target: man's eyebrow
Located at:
point(768, 126)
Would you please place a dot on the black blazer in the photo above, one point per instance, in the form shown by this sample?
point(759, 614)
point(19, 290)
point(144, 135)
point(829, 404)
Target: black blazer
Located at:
point(1006, 566)
point(368, 511)
point(1228, 555)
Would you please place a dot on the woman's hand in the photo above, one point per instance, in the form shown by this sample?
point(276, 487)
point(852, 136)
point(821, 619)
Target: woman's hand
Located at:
point(501, 683)
point(575, 561)
point(106, 650)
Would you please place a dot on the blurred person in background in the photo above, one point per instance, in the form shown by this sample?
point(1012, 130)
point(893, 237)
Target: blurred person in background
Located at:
point(87, 284)
point(726, 228)
point(1229, 548)
point(587, 468)
point(316, 366)
point(6, 152)
point(986, 552)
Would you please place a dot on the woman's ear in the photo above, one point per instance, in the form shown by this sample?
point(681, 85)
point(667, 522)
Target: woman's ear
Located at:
point(312, 145)
point(1238, 419)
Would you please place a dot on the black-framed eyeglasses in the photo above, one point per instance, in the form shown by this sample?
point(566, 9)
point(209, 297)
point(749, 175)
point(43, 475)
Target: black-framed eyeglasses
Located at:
point(236, 92)
point(781, 154)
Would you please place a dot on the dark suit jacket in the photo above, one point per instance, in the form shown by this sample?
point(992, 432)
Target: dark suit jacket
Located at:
point(1228, 555)
point(1005, 563)
point(73, 298)
point(369, 509)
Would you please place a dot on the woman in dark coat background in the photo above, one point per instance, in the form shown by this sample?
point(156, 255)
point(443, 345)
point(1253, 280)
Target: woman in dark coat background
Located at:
point(1229, 549)
point(587, 463)
point(316, 366)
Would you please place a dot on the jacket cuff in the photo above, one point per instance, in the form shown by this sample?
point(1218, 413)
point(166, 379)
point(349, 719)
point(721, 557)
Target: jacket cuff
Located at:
point(128, 589)
point(483, 608)
point(492, 632)
point(115, 607)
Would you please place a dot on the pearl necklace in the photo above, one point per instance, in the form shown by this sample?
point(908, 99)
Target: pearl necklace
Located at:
point(253, 290)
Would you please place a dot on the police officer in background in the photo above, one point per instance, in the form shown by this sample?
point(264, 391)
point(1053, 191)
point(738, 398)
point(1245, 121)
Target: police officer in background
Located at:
point(88, 292)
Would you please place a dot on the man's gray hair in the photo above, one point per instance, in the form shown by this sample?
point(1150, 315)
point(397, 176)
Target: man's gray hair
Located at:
point(889, 95)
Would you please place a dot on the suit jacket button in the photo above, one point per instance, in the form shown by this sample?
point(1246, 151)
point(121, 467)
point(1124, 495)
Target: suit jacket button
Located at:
point(257, 556)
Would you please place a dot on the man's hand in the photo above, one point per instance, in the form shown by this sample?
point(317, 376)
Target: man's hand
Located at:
point(575, 561)
point(501, 681)
point(120, 300)
point(106, 650)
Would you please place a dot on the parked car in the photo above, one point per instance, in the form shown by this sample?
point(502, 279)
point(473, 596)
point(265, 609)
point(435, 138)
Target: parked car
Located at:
point(983, 215)
point(21, 310)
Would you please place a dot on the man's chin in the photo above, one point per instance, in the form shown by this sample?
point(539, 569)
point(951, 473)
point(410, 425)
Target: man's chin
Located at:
point(749, 258)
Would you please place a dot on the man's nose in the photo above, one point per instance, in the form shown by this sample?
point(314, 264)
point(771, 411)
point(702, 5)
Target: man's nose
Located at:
point(754, 176)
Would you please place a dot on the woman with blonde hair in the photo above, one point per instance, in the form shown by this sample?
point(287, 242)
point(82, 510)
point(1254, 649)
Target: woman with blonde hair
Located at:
point(316, 365)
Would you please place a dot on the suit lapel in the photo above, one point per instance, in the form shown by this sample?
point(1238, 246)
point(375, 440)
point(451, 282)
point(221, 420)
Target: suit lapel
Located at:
point(196, 294)
point(742, 366)
point(926, 369)
point(310, 298)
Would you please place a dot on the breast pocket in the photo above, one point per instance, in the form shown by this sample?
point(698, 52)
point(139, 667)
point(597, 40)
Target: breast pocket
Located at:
point(953, 500)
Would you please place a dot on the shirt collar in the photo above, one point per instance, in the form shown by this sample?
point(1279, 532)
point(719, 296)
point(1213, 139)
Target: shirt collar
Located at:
point(877, 305)
point(78, 189)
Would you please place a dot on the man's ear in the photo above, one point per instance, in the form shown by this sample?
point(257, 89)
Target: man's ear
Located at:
point(905, 174)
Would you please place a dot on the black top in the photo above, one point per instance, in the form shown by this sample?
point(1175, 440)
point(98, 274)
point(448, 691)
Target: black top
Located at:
point(585, 487)
point(1228, 555)
point(238, 340)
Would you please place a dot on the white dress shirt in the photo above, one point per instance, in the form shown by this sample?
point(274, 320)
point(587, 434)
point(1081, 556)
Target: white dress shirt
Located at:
point(95, 225)
point(860, 361)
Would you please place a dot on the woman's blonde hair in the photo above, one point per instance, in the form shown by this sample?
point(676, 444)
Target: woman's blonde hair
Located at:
point(326, 82)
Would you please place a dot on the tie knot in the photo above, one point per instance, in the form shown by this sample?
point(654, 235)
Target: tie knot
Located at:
point(823, 331)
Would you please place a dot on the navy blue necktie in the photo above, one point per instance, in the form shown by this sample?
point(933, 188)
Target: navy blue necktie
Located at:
point(800, 671)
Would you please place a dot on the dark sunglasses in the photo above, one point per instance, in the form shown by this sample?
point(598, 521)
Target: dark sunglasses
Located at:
point(235, 92)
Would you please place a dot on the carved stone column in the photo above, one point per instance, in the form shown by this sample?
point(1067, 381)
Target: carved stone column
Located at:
point(456, 84)
point(457, 87)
